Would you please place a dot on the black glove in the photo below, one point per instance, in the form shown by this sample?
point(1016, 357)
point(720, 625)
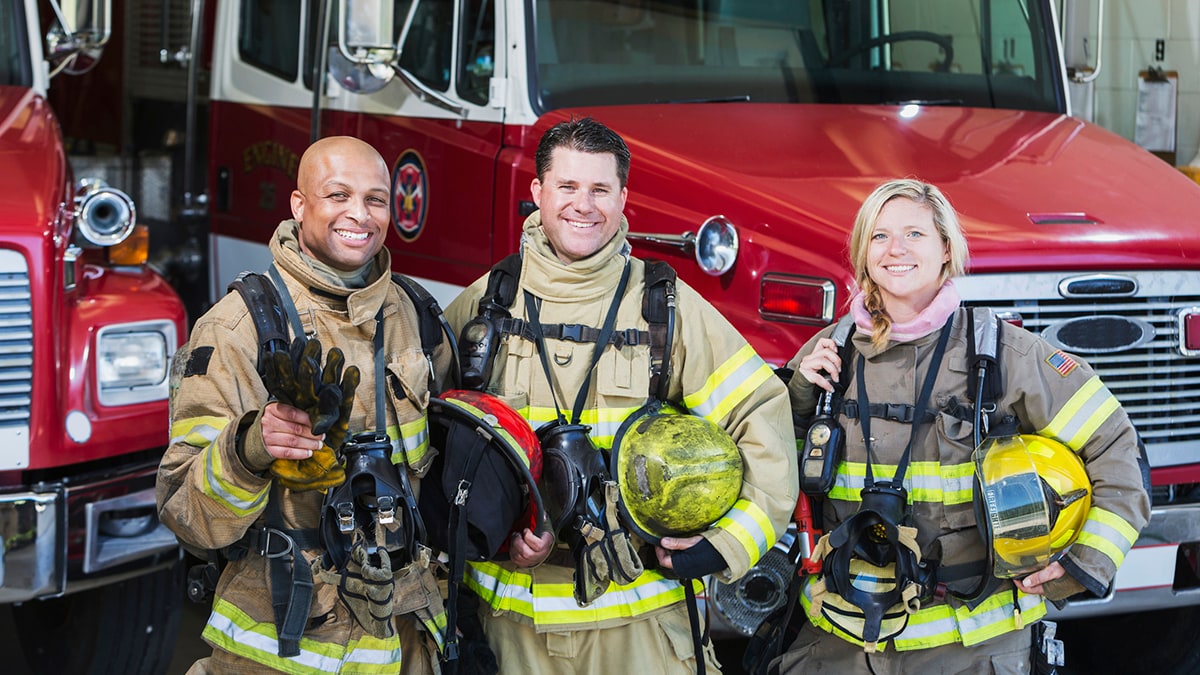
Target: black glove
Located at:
point(297, 379)
point(701, 560)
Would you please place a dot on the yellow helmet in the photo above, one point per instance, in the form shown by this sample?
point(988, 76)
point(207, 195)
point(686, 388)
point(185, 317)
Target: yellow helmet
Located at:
point(1033, 496)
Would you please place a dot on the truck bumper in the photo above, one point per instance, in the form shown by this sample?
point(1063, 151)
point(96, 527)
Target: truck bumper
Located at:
point(1158, 573)
point(40, 553)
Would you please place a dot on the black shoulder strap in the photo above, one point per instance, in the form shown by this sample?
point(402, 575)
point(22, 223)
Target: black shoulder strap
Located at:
point(503, 280)
point(658, 309)
point(433, 325)
point(841, 335)
point(266, 310)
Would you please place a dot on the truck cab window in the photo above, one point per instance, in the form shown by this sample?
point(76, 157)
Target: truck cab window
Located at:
point(478, 50)
point(269, 38)
point(14, 61)
point(427, 50)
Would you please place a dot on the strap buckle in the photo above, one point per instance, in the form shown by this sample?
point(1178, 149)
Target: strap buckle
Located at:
point(263, 546)
point(387, 510)
point(572, 332)
point(345, 517)
point(898, 412)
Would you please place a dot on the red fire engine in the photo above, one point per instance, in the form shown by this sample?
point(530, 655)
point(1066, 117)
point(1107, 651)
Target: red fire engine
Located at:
point(86, 335)
point(756, 127)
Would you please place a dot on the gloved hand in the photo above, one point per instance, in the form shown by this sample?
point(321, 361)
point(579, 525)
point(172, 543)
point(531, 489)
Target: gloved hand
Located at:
point(697, 562)
point(366, 588)
point(296, 378)
point(606, 553)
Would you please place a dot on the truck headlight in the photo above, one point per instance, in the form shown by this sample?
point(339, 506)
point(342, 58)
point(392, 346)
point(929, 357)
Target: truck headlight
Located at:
point(132, 362)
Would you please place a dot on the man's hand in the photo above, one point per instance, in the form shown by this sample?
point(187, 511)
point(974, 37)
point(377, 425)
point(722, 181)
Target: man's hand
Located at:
point(689, 557)
point(527, 549)
point(303, 461)
point(287, 432)
point(669, 544)
point(1034, 584)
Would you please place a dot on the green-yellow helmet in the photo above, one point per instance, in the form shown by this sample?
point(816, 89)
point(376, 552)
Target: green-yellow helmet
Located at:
point(678, 473)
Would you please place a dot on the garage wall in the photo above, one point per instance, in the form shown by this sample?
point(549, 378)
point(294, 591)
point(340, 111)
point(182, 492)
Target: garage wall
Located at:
point(1131, 29)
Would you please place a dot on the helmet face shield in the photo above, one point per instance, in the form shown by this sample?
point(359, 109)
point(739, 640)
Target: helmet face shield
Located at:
point(1033, 497)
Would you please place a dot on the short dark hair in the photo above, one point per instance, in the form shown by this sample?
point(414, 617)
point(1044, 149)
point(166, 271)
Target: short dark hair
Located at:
point(584, 135)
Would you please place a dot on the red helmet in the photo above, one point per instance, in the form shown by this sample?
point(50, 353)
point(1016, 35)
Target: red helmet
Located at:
point(489, 458)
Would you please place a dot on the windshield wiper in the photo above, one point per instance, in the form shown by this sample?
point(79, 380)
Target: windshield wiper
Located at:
point(744, 98)
point(927, 101)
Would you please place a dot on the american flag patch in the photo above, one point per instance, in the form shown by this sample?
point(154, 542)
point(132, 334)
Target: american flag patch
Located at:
point(1062, 362)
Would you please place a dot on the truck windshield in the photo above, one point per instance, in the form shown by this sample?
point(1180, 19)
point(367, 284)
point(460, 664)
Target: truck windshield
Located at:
point(981, 53)
point(14, 57)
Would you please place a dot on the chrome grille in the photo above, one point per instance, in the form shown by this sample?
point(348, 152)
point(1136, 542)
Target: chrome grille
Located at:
point(16, 342)
point(1157, 385)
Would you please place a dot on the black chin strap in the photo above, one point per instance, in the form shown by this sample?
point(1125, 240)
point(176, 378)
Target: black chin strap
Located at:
point(864, 415)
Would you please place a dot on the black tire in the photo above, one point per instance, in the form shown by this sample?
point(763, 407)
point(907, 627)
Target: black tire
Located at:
point(128, 628)
point(1163, 642)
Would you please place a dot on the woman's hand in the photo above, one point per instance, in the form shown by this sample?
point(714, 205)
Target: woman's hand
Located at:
point(822, 367)
point(1034, 583)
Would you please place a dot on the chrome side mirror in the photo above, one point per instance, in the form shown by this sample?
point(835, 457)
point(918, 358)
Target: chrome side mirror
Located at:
point(362, 62)
point(75, 42)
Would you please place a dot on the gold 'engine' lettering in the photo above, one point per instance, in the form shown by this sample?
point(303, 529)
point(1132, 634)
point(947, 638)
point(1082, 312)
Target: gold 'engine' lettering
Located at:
point(270, 154)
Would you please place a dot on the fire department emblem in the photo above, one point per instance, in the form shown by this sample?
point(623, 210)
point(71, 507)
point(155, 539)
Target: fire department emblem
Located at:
point(409, 194)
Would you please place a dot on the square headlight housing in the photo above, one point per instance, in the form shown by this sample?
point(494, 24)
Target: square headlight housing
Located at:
point(133, 361)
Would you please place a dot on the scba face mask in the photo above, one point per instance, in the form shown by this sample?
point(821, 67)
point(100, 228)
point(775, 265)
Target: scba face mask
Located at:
point(873, 570)
point(374, 507)
point(573, 474)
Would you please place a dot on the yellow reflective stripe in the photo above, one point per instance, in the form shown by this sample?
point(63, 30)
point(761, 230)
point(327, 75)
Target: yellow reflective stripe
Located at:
point(925, 481)
point(751, 527)
point(436, 627)
point(995, 616)
point(1108, 533)
point(237, 499)
point(236, 632)
point(1083, 413)
point(729, 385)
point(411, 438)
point(198, 432)
point(553, 604)
point(604, 422)
point(941, 624)
point(958, 482)
point(504, 590)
